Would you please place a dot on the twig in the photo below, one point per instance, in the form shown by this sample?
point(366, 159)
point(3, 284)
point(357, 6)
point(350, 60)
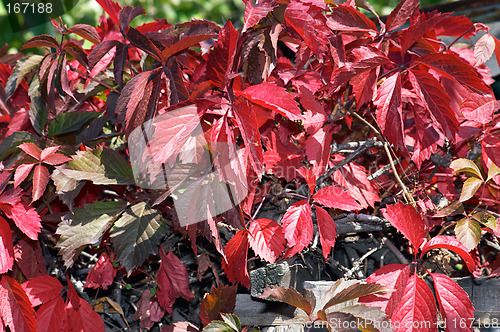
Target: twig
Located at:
point(357, 264)
point(402, 259)
point(352, 146)
point(400, 182)
point(382, 170)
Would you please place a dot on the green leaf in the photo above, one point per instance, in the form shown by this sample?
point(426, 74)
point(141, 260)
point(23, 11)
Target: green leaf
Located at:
point(232, 320)
point(218, 326)
point(39, 114)
point(467, 166)
point(486, 218)
point(9, 144)
point(136, 235)
point(23, 68)
point(471, 185)
point(85, 226)
point(101, 166)
point(70, 121)
point(468, 232)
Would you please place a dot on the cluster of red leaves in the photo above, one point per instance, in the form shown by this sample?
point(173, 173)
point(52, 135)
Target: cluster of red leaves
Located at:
point(297, 80)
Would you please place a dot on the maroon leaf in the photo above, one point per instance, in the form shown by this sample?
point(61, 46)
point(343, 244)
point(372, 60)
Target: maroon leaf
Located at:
point(190, 41)
point(15, 308)
point(401, 14)
point(42, 289)
point(417, 305)
point(337, 198)
point(255, 12)
point(144, 43)
point(100, 50)
point(297, 226)
point(235, 264)
point(221, 58)
point(127, 14)
point(86, 31)
point(347, 18)
point(29, 258)
point(6, 247)
point(102, 274)
point(450, 243)
point(274, 97)
point(76, 52)
point(288, 295)
point(266, 239)
point(173, 281)
point(454, 303)
point(41, 41)
point(409, 222)
point(220, 300)
point(304, 23)
point(389, 109)
point(149, 310)
point(327, 231)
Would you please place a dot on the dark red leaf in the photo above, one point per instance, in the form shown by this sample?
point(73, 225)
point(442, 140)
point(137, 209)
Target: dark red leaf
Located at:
point(274, 97)
point(220, 300)
point(51, 314)
point(297, 226)
point(86, 31)
point(266, 239)
point(127, 14)
point(255, 12)
point(173, 281)
point(102, 274)
point(327, 231)
point(409, 222)
point(144, 43)
point(453, 67)
point(149, 310)
point(100, 50)
point(304, 23)
point(337, 198)
point(347, 18)
point(454, 304)
point(6, 247)
point(401, 14)
point(29, 257)
point(221, 58)
point(15, 308)
point(41, 41)
point(450, 243)
point(189, 41)
point(235, 264)
point(76, 52)
point(42, 289)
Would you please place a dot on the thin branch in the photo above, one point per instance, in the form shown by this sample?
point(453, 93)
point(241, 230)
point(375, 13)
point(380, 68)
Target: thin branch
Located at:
point(400, 182)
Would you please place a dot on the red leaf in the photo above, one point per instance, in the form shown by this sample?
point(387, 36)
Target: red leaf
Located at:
point(6, 247)
point(497, 49)
point(235, 264)
point(31, 149)
point(435, 100)
point(22, 172)
point(274, 97)
point(15, 307)
point(41, 41)
point(255, 12)
point(337, 198)
point(394, 276)
point(454, 304)
point(327, 231)
point(409, 222)
point(40, 181)
point(56, 159)
point(221, 58)
point(453, 67)
point(112, 8)
point(318, 149)
point(389, 109)
point(303, 22)
point(26, 219)
point(52, 314)
point(173, 281)
point(450, 243)
point(220, 300)
point(42, 289)
point(309, 176)
point(401, 14)
point(86, 31)
point(81, 316)
point(247, 123)
point(149, 310)
point(417, 306)
point(266, 239)
point(102, 274)
point(297, 226)
point(347, 18)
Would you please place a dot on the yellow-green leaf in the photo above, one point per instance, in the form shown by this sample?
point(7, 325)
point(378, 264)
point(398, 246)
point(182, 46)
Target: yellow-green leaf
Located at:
point(468, 232)
point(467, 166)
point(471, 185)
